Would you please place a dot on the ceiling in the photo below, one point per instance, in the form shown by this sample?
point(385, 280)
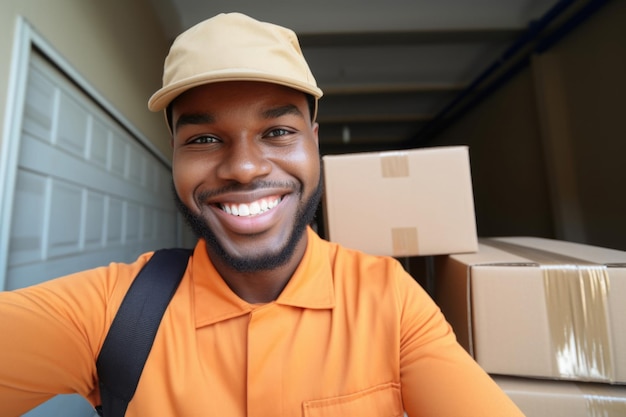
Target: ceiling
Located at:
point(389, 69)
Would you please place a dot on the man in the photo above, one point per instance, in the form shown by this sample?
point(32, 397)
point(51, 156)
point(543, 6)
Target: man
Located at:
point(269, 320)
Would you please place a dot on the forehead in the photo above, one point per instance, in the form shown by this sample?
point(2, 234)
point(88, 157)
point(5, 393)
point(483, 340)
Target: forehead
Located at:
point(237, 93)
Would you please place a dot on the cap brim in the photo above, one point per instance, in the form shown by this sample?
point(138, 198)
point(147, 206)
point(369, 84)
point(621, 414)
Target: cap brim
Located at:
point(163, 97)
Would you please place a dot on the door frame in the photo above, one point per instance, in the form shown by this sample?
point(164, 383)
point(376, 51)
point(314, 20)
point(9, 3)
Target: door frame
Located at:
point(25, 41)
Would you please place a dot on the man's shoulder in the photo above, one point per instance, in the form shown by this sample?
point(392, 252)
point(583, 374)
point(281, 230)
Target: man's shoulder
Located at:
point(340, 253)
point(354, 264)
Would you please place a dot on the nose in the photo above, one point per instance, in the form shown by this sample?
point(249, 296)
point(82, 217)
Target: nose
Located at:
point(243, 162)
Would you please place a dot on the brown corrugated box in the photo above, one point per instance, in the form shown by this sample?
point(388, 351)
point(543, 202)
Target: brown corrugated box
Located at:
point(541, 398)
point(401, 203)
point(538, 307)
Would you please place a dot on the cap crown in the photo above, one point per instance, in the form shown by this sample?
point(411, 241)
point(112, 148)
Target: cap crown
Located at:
point(233, 47)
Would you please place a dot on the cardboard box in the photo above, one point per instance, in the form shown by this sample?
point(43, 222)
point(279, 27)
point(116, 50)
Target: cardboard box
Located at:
point(538, 307)
point(401, 203)
point(541, 398)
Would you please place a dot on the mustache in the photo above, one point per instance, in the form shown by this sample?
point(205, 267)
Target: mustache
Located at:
point(257, 185)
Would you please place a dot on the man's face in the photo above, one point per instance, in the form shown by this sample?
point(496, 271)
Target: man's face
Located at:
point(246, 170)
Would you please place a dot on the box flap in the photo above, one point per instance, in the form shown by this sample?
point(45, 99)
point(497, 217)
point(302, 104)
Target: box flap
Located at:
point(575, 251)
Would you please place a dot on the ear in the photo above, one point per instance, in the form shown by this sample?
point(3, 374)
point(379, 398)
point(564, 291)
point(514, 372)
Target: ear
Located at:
point(315, 131)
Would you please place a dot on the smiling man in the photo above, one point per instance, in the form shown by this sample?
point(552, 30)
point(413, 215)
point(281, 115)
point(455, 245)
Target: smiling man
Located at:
point(247, 178)
point(269, 320)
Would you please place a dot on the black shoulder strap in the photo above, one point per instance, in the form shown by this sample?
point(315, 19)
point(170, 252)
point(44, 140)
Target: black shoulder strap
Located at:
point(129, 340)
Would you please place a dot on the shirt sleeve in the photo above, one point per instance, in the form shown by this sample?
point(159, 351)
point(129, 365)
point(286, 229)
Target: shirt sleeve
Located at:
point(51, 335)
point(439, 378)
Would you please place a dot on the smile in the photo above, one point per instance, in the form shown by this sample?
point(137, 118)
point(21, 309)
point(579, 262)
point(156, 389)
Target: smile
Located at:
point(251, 209)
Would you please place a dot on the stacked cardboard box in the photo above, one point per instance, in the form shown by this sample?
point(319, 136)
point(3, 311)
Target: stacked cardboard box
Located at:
point(404, 203)
point(541, 398)
point(545, 318)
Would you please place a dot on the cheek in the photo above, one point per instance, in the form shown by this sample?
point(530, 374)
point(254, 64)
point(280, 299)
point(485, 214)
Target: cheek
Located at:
point(313, 159)
point(314, 169)
point(186, 175)
point(305, 165)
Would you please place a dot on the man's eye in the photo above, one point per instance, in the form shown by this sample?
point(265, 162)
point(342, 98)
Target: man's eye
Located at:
point(203, 139)
point(278, 132)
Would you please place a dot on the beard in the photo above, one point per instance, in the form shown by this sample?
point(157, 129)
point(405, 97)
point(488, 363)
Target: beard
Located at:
point(268, 261)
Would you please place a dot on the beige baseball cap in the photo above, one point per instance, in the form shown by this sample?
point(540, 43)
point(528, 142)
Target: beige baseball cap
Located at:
point(234, 47)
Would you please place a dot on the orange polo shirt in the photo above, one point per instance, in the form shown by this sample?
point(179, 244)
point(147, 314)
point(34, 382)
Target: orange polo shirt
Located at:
point(350, 335)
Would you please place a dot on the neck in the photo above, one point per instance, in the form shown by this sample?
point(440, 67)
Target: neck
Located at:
point(262, 286)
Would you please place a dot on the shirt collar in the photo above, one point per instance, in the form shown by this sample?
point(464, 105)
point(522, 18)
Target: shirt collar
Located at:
point(311, 285)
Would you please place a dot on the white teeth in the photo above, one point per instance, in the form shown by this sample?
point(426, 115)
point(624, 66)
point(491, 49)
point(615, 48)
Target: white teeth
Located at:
point(252, 209)
point(255, 208)
point(244, 210)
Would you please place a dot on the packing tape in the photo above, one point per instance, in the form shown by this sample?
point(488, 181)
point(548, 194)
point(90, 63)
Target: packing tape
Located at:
point(404, 240)
point(576, 294)
point(576, 300)
point(394, 164)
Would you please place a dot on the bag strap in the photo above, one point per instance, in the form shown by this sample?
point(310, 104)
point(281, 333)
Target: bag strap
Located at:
point(130, 337)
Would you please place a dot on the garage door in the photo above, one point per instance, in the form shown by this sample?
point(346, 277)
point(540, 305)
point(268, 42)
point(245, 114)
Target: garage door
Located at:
point(86, 191)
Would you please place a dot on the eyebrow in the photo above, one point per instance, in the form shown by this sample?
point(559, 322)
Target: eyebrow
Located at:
point(194, 119)
point(276, 112)
point(206, 118)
